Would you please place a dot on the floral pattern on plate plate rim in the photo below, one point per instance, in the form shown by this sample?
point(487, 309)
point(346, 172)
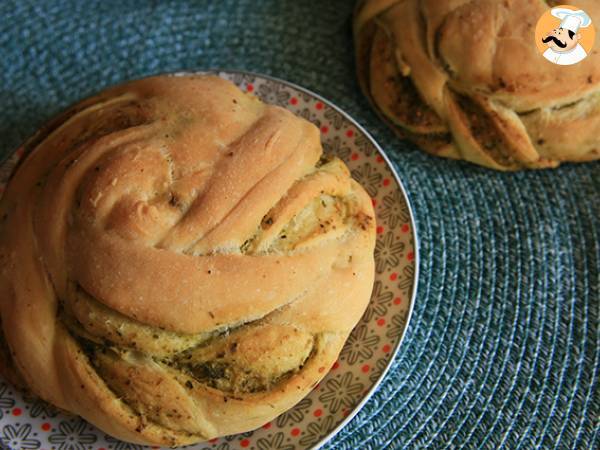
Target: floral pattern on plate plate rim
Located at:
point(29, 423)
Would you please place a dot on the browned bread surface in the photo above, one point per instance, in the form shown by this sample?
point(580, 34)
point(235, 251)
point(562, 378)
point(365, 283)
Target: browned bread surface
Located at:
point(177, 261)
point(464, 79)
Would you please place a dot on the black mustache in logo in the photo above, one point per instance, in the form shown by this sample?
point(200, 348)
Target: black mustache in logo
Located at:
point(556, 41)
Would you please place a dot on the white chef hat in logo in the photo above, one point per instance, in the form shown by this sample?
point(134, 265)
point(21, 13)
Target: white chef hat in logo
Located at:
point(572, 20)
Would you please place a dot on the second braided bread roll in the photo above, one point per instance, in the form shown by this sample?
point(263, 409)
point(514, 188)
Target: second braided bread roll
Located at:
point(463, 79)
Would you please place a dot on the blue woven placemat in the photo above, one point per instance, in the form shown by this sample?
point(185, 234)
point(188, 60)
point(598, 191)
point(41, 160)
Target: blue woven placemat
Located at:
point(503, 349)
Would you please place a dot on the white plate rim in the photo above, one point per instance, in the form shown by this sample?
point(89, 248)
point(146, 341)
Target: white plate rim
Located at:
point(414, 232)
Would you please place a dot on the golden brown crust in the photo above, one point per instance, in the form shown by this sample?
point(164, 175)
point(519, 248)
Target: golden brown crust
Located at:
point(470, 70)
point(173, 261)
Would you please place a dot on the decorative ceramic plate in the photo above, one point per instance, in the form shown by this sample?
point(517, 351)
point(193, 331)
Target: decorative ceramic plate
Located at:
point(33, 424)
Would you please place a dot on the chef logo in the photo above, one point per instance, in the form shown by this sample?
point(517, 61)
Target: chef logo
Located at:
point(565, 35)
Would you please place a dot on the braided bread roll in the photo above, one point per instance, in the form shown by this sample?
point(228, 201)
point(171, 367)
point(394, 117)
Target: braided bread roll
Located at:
point(178, 263)
point(463, 79)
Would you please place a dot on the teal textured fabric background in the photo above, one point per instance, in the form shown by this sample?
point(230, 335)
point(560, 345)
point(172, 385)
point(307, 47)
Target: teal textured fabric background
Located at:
point(503, 348)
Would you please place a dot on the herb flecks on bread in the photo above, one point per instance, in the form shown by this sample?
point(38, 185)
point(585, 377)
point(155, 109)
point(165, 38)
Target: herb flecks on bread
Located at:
point(178, 262)
point(465, 80)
